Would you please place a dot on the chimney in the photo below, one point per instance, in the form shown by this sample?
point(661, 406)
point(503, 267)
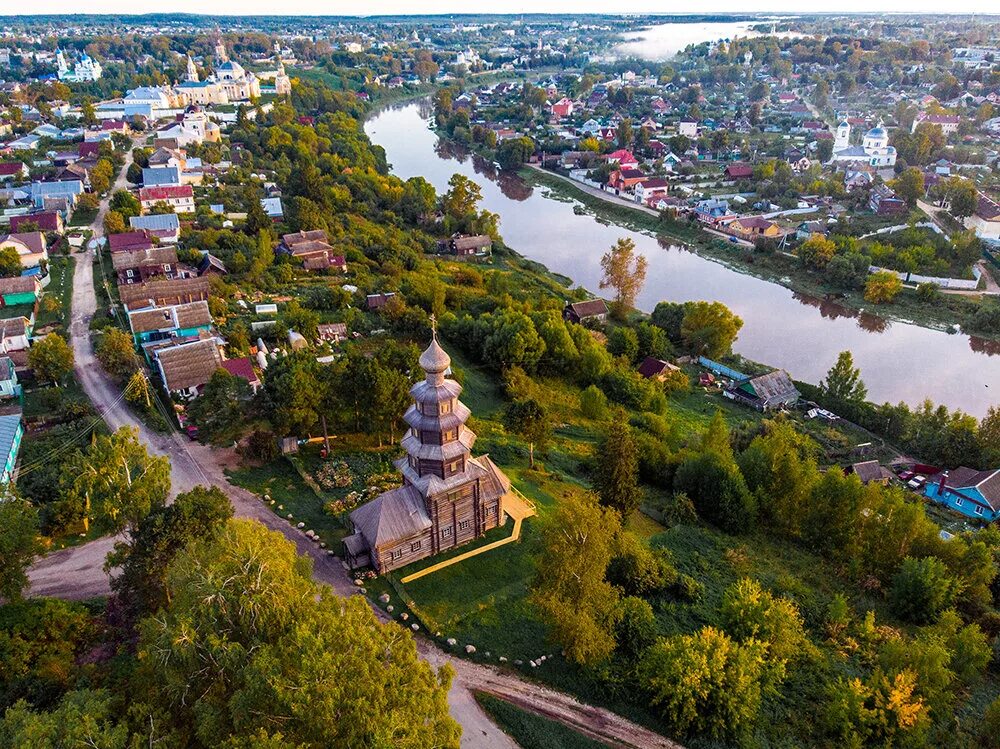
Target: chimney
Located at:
point(941, 483)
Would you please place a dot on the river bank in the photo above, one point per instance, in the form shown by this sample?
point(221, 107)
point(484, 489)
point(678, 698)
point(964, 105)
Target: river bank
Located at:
point(942, 314)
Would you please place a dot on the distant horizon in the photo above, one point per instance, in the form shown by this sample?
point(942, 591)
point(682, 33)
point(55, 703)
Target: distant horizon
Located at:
point(395, 8)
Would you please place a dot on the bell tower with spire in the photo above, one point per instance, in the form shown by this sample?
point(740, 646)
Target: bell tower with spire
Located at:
point(448, 496)
point(192, 71)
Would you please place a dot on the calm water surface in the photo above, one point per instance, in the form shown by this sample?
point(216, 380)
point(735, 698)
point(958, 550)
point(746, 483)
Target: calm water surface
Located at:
point(663, 41)
point(899, 362)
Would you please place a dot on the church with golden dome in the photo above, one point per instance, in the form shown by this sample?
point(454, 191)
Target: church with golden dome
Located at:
point(448, 497)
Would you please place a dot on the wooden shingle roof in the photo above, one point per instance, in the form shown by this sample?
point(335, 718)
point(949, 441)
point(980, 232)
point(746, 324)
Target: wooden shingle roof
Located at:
point(189, 365)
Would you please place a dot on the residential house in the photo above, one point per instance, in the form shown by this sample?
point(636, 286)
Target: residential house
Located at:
point(986, 220)
point(312, 249)
point(447, 498)
point(14, 334)
point(130, 241)
point(973, 493)
point(9, 386)
point(753, 227)
point(765, 392)
point(244, 369)
point(871, 472)
point(20, 290)
point(580, 312)
point(11, 432)
point(947, 122)
point(378, 301)
point(31, 247)
point(650, 188)
point(178, 197)
point(623, 180)
point(65, 192)
point(688, 128)
point(157, 324)
point(50, 222)
point(161, 176)
point(164, 292)
point(712, 210)
point(623, 158)
point(808, 229)
point(656, 369)
point(15, 170)
point(185, 368)
point(884, 202)
point(141, 265)
point(210, 265)
point(164, 226)
point(464, 246)
point(562, 108)
point(738, 171)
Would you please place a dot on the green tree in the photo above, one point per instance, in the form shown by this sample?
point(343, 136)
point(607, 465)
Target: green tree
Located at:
point(462, 198)
point(718, 491)
point(882, 287)
point(616, 478)
point(114, 223)
point(117, 479)
point(922, 589)
point(82, 718)
point(817, 251)
point(594, 403)
point(126, 203)
point(569, 590)
point(249, 642)
point(10, 263)
point(51, 358)
point(749, 612)
point(116, 352)
point(625, 272)
point(624, 342)
point(705, 684)
point(843, 382)
point(636, 628)
point(140, 585)
point(529, 420)
point(18, 545)
point(963, 198)
point(221, 412)
point(709, 328)
point(514, 152)
point(882, 711)
point(910, 185)
point(637, 569)
point(257, 220)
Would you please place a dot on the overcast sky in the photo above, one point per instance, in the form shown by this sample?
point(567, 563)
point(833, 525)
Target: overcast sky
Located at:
point(354, 7)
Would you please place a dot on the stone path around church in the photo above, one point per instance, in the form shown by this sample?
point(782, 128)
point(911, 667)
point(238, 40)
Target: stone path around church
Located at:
point(516, 505)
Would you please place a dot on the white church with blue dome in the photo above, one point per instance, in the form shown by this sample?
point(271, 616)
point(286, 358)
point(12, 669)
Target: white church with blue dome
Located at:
point(874, 150)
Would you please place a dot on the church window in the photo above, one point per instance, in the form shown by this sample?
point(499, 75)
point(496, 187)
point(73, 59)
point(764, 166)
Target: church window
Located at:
point(491, 510)
point(445, 407)
point(415, 546)
point(463, 525)
point(446, 533)
point(396, 554)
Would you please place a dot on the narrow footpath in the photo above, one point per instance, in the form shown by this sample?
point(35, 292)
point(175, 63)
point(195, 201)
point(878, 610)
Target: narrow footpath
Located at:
point(77, 573)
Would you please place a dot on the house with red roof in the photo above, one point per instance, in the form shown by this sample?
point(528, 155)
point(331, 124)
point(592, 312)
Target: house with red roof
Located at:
point(738, 171)
point(623, 180)
point(178, 197)
point(562, 108)
point(623, 156)
point(244, 369)
point(49, 221)
point(130, 241)
point(13, 170)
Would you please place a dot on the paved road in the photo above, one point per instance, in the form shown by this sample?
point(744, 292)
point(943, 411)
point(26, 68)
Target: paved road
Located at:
point(78, 573)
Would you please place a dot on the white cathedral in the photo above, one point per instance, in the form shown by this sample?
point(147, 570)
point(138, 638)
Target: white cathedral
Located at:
point(86, 69)
point(229, 82)
point(874, 149)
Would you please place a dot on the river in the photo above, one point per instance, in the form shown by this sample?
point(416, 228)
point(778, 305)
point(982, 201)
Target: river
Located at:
point(662, 41)
point(899, 362)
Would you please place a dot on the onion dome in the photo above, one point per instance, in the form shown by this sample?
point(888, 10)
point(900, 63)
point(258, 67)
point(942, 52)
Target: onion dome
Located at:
point(435, 359)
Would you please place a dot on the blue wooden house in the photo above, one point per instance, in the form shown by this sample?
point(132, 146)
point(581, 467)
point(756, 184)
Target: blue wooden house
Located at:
point(11, 431)
point(973, 493)
point(152, 326)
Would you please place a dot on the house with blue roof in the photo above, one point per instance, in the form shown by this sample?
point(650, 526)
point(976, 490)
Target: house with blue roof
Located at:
point(9, 386)
point(161, 176)
point(11, 432)
point(975, 494)
point(166, 226)
point(69, 189)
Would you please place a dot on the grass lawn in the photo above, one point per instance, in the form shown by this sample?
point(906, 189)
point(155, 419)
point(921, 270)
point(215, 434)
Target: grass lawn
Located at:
point(59, 288)
point(82, 217)
point(532, 731)
point(296, 485)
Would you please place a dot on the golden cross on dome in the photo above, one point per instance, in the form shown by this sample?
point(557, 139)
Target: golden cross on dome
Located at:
point(434, 326)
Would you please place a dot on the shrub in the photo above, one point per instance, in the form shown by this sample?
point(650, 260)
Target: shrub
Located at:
point(637, 569)
point(594, 403)
point(922, 589)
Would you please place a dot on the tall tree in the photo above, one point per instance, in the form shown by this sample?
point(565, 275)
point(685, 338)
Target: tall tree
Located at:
point(709, 328)
point(529, 420)
point(616, 478)
point(570, 589)
point(844, 382)
point(117, 479)
point(51, 358)
point(625, 272)
point(18, 545)
point(248, 642)
point(221, 411)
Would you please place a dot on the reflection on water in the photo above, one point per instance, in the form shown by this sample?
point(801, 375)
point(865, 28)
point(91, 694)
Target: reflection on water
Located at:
point(799, 333)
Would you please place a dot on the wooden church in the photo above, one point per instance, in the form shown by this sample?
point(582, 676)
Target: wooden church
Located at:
point(448, 497)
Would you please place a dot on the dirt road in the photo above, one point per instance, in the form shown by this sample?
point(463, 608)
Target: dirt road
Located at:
point(78, 573)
